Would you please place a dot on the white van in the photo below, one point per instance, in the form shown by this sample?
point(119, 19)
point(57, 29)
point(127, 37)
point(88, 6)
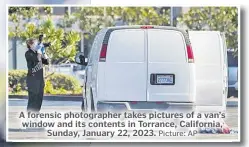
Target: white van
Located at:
point(139, 67)
point(211, 69)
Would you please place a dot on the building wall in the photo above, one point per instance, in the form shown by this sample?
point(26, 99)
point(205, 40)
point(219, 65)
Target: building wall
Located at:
point(185, 9)
point(59, 10)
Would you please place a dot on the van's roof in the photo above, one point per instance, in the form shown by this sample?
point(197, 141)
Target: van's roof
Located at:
point(185, 34)
point(139, 26)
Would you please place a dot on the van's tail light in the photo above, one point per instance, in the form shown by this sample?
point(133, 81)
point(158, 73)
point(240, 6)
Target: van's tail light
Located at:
point(102, 56)
point(190, 54)
point(147, 27)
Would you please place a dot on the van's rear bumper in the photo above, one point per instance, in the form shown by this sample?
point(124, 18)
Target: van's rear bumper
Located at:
point(161, 106)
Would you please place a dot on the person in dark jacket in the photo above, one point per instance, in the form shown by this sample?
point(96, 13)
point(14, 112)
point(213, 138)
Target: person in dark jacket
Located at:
point(35, 79)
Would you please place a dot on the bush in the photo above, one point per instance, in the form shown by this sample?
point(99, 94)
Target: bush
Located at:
point(62, 84)
point(17, 80)
point(55, 84)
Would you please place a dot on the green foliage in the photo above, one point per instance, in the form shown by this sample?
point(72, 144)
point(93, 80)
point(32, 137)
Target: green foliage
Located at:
point(223, 19)
point(89, 19)
point(92, 19)
point(48, 87)
point(144, 16)
point(56, 84)
point(17, 80)
point(64, 43)
point(67, 21)
point(17, 15)
point(62, 84)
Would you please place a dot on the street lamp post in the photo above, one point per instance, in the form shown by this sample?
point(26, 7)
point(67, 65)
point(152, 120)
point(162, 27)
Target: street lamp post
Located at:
point(172, 16)
point(82, 42)
point(14, 46)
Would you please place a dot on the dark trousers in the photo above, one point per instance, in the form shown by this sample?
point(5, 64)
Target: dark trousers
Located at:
point(35, 96)
point(35, 101)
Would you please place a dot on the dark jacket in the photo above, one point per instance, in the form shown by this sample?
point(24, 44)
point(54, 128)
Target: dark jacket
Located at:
point(35, 77)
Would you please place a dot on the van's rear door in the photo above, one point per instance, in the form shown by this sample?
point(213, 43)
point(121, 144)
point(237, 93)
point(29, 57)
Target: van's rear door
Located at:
point(225, 66)
point(125, 74)
point(167, 59)
point(209, 60)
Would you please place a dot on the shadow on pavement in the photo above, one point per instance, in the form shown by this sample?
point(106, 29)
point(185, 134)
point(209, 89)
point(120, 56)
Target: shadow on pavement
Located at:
point(27, 130)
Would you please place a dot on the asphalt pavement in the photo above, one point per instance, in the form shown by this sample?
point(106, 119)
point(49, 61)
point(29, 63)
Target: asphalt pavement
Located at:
point(24, 102)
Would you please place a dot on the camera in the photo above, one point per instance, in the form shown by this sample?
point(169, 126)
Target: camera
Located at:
point(48, 44)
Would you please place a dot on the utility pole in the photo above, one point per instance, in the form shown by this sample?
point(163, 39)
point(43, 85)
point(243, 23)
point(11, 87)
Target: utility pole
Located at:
point(172, 16)
point(82, 42)
point(105, 16)
point(14, 54)
point(69, 10)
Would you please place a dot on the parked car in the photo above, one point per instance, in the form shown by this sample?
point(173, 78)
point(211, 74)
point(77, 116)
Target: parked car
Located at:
point(232, 74)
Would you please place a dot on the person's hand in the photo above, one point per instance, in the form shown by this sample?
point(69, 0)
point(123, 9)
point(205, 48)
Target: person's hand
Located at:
point(45, 56)
point(47, 44)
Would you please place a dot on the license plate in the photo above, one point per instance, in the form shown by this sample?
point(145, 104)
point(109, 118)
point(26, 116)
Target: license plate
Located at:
point(164, 79)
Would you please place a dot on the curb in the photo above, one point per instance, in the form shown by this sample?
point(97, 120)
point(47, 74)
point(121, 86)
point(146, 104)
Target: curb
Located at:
point(50, 98)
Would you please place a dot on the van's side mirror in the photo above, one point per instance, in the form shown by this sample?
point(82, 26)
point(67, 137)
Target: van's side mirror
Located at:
point(80, 59)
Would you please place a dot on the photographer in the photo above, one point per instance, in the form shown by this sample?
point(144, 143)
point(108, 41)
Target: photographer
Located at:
point(35, 57)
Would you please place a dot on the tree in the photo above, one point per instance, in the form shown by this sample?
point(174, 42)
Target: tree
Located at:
point(27, 22)
point(92, 19)
point(145, 16)
point(16, 16)
point(67, 21)
point(223, 19)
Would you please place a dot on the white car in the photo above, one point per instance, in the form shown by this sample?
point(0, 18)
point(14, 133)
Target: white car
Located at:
point(138, 67)
point(236, 86)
